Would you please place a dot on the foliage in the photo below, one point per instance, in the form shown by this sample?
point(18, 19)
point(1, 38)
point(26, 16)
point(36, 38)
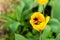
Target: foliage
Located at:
point(18, 21)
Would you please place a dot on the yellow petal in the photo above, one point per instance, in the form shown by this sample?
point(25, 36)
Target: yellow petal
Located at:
point(38, 15)
point(42, 1)
point(41, 24)
point(47, 19)
point(45, 23)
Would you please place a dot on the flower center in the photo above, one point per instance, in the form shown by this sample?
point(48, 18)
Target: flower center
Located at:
point(36, 21)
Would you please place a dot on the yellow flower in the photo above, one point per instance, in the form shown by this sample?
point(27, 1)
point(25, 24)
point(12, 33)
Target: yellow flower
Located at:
point(38, 21)
point(42, 1)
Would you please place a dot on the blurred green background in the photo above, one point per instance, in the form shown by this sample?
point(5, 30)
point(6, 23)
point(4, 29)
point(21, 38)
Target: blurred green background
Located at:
point(17, 16)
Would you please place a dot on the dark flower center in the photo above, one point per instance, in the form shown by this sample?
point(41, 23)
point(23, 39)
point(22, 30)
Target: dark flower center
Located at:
point(36, 21)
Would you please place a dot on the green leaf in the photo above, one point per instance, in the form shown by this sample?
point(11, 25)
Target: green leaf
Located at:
point(55, 25)
point(34, 37)
point(58, 37)
point(8, 18)
point(50, 39)
point(19, 10)
point(55, 4)
point(30, 4)
point(29, 34)
point(19, 37)
point(14, 26)
point(46, 32)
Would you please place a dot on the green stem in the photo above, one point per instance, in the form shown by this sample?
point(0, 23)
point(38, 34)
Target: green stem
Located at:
point(43, 9)
point(40, 35)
